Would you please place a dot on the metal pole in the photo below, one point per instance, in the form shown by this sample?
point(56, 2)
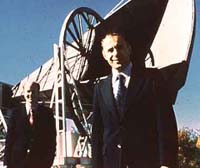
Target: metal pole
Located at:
point(56, 96)
point(63, 94)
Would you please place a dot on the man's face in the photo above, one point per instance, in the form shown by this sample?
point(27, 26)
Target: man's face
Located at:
point(116, 51)
point(31, 94)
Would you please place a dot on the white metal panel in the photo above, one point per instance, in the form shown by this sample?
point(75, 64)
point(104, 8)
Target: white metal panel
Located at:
point(45, 75)
point(173, 39)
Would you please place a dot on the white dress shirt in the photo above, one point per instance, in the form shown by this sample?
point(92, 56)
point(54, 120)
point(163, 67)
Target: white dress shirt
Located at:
point(126, 73)
point(28, 108)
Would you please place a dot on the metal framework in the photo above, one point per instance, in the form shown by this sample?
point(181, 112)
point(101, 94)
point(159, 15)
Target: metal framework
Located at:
point(3, 130)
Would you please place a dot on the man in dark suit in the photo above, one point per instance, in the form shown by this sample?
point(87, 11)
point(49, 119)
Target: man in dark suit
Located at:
point(31, 137)
point(133, 121)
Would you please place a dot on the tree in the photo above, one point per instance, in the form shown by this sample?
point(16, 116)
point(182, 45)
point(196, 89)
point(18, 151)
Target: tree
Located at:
point(189, 154)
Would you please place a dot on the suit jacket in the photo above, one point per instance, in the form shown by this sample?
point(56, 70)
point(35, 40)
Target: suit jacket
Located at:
point(30, 146)
point(144, 136)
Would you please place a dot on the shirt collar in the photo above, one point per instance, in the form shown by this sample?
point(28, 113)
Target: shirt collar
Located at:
point(126, 72)
point(28, 108)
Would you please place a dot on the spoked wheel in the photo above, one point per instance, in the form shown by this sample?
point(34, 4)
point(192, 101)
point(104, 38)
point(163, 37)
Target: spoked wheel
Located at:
point(76, 38)
point(149, 60)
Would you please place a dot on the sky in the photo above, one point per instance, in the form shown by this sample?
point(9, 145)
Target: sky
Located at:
point(29, 28)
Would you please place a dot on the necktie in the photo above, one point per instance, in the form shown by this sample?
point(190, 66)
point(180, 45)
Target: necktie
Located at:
point(121, 90)
point(31, 119)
